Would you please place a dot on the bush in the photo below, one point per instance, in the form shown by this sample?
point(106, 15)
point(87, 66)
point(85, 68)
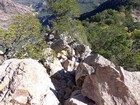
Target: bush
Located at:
point(23, 38)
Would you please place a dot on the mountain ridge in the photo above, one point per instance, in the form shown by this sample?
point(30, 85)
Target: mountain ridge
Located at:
point(110, 4)
point(9, 8)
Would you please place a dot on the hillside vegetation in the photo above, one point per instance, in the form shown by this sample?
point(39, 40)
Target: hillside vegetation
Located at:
point(114, 34)
point(112, 31)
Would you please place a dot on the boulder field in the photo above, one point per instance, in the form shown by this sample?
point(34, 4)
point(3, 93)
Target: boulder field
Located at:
point(94, 81)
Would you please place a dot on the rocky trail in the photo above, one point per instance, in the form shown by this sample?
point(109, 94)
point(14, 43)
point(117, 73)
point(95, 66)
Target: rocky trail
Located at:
point(73, 77)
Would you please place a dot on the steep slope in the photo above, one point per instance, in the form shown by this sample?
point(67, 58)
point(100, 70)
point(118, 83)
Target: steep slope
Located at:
point(110, 4)
point(8, 8)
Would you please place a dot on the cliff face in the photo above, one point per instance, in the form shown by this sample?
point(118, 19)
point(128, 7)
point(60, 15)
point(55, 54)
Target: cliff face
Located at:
point(8, 8)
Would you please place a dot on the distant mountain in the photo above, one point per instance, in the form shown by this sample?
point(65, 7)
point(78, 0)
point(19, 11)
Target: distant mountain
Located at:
point(29, 2)
point(8, 8)
point(110, 4)
point(84, 5)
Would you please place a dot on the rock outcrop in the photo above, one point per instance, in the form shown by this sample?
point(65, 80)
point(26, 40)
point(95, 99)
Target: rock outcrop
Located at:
point(98, 81)
point(25, 82)
point(108, 84)
point(67, 80)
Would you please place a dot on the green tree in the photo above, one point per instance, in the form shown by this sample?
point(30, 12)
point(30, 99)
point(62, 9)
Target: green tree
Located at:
point(111, 35)
point(65, 12)
point(23, 38)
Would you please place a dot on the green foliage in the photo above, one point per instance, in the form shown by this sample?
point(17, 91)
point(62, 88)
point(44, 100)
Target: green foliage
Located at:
point(136, 41)
point(23, 38)
point(114, 35)
point(112, 42)
point(65, 12)
point(67, 8)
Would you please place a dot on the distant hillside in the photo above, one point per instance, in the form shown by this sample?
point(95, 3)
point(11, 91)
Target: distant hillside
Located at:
point(113, 30)
point(28, 2)
point(8, 8)
point(84, 5)
point(89, 5)
point(112, 4)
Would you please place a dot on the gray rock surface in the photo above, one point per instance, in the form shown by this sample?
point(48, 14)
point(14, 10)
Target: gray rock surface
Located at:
point(82, 50)
point(25, 82)
point(109, 84)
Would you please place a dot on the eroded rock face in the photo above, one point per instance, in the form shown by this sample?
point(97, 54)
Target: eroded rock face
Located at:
point(109, 85)
point(25, 82)
point(82, 71)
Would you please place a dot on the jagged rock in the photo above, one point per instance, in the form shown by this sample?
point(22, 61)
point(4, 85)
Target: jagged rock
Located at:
point(55, 67)
point(70, 52)
point(82, 71)
point(58, 45)
point(70, 65)
point(110, 84)
point(79, 49)
point(78, 99)
point(82, 50)
point(98, 60)
point(25, 82)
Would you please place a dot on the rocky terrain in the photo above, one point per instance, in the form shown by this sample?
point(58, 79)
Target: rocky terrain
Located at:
point(72, 77)
point(136, 15)
point(70, 74)
point(8, 8)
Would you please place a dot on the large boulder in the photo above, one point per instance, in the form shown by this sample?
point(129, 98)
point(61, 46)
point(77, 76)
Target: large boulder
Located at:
point(25, 82)
point(78, 99)
point(109, 84)
point(82, 71)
